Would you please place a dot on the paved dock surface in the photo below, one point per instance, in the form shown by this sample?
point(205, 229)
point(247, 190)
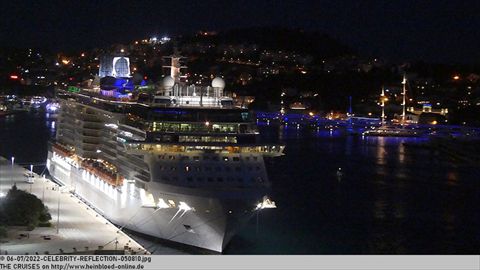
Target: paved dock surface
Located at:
point(80, 229)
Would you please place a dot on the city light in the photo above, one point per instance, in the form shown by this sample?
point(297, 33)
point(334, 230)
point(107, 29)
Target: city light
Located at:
point(14, 77)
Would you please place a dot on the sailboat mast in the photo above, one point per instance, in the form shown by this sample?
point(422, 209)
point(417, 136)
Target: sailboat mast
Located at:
point(382, 98)
point(404, 82)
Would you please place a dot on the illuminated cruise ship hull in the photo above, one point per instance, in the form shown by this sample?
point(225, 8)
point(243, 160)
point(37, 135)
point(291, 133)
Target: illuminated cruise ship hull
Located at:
point(208, 221)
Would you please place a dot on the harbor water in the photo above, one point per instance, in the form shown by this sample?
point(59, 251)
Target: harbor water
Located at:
point(335, 194)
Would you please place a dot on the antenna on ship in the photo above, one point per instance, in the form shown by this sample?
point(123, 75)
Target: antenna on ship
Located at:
point(175, 65)
point(404, 82)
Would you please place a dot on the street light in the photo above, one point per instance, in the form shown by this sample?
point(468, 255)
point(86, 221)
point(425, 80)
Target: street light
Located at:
point(58, 211)
point(13, 162)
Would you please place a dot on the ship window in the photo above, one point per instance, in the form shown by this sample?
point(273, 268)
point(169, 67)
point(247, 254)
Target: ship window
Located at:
point(171, 157)
point(187, 168)
point(247, 158)
point(198, 169)
point(236, 159)
point(184, 158)
point(255, 158)
point(196, 158)
point(206, 158)
point(260, 179)
point(161, 168)
point(225, 158)
point(173, 168)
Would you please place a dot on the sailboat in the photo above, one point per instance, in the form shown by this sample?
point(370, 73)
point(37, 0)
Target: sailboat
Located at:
point(393, 130)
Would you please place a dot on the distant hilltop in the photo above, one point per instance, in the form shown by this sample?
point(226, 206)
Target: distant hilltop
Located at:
point(315, 43)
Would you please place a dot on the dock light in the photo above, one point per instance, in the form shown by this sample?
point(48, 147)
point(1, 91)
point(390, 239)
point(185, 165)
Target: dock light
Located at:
point(65, 61)
point(14, 77)
point(456, 77)
point(207, 123)
point(311, 114)
point(13, 160)
point(31, 168)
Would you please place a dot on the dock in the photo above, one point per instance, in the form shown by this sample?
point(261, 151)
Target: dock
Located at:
point(76, 227)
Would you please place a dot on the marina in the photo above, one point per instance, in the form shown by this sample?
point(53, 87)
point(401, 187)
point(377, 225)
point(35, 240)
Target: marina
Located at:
point(388, 184)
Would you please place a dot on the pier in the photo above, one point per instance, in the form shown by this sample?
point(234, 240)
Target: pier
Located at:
point(76, 227)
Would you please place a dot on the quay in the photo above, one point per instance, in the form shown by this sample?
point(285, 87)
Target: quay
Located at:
point(76, 227)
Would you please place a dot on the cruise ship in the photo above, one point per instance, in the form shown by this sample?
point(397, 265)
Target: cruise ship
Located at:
point(182, 164)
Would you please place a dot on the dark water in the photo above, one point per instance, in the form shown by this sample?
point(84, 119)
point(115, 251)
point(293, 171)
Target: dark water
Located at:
point(391, 199)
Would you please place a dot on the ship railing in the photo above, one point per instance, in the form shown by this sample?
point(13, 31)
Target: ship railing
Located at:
point(264, 149)
point(102, 173)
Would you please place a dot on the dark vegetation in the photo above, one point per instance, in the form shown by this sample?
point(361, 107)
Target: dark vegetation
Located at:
point(20, 208)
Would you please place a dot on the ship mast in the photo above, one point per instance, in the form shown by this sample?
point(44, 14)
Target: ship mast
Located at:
point(404, 82)
point(382, 99)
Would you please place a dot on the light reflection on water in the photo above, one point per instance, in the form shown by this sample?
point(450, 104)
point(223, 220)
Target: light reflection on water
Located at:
point(392, 198)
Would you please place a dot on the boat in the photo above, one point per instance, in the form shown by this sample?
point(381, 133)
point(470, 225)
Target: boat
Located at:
point(399, 130)
point(182, 165)
point(392, 131)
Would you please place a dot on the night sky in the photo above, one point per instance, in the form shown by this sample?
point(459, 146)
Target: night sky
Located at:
point(435, 31)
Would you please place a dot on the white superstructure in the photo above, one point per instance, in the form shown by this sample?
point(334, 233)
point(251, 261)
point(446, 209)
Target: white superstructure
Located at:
point(182, 166)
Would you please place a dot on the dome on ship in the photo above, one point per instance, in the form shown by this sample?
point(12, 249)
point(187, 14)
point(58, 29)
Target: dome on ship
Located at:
point(218, 83)
point(168, 82)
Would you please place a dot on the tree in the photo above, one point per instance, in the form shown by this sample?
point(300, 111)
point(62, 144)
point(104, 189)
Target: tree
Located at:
point(24, 209)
